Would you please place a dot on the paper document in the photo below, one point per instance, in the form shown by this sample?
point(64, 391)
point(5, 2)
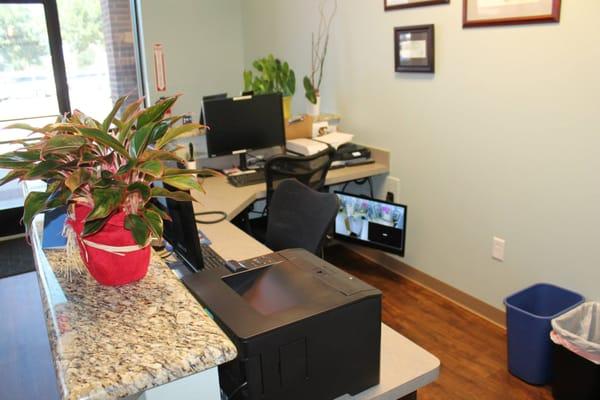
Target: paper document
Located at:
point(306, 147)
point(336, 139)
point(413, 49)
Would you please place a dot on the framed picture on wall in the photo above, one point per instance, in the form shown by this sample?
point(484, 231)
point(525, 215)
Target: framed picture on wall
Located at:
point(414, 48)
point(509, 12)
point(397, 4)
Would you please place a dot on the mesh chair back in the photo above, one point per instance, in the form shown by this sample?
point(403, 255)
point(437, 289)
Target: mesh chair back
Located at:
point(299, 217)
point(310, 170)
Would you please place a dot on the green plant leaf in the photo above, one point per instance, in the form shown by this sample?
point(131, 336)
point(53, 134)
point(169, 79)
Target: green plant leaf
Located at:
point(173, 133)
point(91, 227)
point(152, 167)
point(103, 138)
point(20, 155)
point(106, 200)
point(12, 175)
point(139, 140)
point(77, 178)
point(160, 155)
point(183, 182)
point(247, 80)
point(19, 159)
point(43, 169)
point(25, 127)
point(59, 197)
point(154, 221)
point(179, 171)
point(309, 90)
point(109, 118)
point(159, 131)
point(131, 109)
point(138, 227)
point(155, 112)
point(63, 144)
point(34, 203)
point(141, 188)
point(175, 195)
point(160, 212)
point(126, 168)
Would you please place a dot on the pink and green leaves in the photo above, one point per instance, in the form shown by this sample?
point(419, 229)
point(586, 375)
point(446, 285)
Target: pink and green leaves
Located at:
point(109, 165)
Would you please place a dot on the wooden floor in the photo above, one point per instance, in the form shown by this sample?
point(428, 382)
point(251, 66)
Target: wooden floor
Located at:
point(472, 350)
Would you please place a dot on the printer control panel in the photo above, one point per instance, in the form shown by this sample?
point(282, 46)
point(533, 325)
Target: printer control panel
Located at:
point(328, 274)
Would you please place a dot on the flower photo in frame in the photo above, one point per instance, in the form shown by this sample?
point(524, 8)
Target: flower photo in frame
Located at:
point(509, 12)
point(389, 5)
point(414, 48)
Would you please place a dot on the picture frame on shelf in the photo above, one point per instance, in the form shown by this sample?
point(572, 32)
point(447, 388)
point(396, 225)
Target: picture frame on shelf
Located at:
point(509, 12)
point(389, 5)
point(414, 49)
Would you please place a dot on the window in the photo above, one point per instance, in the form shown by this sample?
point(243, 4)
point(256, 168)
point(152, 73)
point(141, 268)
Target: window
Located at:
point(59, 54)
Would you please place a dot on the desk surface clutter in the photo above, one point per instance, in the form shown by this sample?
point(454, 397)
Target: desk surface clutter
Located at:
point(112, 342)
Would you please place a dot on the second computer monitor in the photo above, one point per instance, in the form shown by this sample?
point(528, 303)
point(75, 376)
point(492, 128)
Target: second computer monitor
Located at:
point(245, 123)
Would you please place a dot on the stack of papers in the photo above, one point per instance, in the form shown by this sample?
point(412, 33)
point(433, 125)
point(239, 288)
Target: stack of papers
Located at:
point(335, 139)
point(306, 147)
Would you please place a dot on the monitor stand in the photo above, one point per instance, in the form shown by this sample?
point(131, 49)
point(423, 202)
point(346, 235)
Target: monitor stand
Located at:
point(243, 165)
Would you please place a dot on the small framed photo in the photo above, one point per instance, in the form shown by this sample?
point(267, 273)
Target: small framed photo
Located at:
point(389, 5)
point(414, 48)
point(509, 12)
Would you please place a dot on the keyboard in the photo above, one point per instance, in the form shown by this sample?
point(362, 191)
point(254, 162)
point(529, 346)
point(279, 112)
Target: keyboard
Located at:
point(210, 258)
point(247, 179)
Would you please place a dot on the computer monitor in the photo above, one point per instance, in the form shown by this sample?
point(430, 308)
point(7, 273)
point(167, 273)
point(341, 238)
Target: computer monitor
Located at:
point(181, 232)
point(218, 96)
point(237, 125)
point(374, 223)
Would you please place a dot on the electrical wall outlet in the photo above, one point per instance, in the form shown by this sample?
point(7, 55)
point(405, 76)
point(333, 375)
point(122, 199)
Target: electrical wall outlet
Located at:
point(498, 245)
point(391, 185)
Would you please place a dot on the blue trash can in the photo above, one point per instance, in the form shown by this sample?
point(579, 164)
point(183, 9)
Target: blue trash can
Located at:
point(528, 324)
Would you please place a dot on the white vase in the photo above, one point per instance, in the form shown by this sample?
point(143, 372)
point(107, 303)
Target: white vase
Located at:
point(314, 109)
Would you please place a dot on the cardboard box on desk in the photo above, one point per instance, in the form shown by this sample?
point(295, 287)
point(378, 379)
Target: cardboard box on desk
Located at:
point(299, 129)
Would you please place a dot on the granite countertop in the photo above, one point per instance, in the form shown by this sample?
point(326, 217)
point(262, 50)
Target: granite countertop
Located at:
point(111, 342)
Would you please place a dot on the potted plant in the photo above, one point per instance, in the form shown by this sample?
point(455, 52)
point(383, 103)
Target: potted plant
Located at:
point(274, 76)
point(312, 82)
point(103, 171)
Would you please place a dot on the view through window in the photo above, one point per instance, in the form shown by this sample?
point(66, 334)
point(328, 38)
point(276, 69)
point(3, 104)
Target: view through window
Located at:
point(98, 49)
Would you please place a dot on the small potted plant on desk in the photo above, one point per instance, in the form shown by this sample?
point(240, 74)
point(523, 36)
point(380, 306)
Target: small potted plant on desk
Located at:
point(274, 76)
point(103, 171)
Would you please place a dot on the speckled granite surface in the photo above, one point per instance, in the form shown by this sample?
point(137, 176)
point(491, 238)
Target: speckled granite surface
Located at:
point(112, 342)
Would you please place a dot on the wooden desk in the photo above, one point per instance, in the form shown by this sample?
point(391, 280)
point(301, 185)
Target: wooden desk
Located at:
point(222, 196)
point(405, 367)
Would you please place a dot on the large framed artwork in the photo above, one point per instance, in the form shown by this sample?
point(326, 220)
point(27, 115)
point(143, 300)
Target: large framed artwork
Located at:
point(414, 48)
point(397, 4)
point(509, 12)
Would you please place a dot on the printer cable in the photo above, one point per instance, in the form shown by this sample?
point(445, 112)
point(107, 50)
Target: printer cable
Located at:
point(237, 390)
point(223, 217)
point(361, 182)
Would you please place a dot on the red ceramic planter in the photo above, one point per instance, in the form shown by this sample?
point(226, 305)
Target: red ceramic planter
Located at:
point(110, 254)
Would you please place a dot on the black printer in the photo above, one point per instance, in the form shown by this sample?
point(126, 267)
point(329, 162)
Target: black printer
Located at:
point(303, 328)
point(351, 151)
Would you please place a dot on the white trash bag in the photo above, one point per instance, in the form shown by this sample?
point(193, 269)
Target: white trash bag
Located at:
point(579, 331)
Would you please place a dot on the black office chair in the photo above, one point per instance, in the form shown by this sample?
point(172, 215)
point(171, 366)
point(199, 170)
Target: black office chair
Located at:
point(299, 217)
point(310, 170)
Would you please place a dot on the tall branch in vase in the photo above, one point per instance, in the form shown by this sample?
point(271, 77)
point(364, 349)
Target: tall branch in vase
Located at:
point(320, 42)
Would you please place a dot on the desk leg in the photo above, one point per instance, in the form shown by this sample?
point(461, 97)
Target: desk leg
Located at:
point(412, 396)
